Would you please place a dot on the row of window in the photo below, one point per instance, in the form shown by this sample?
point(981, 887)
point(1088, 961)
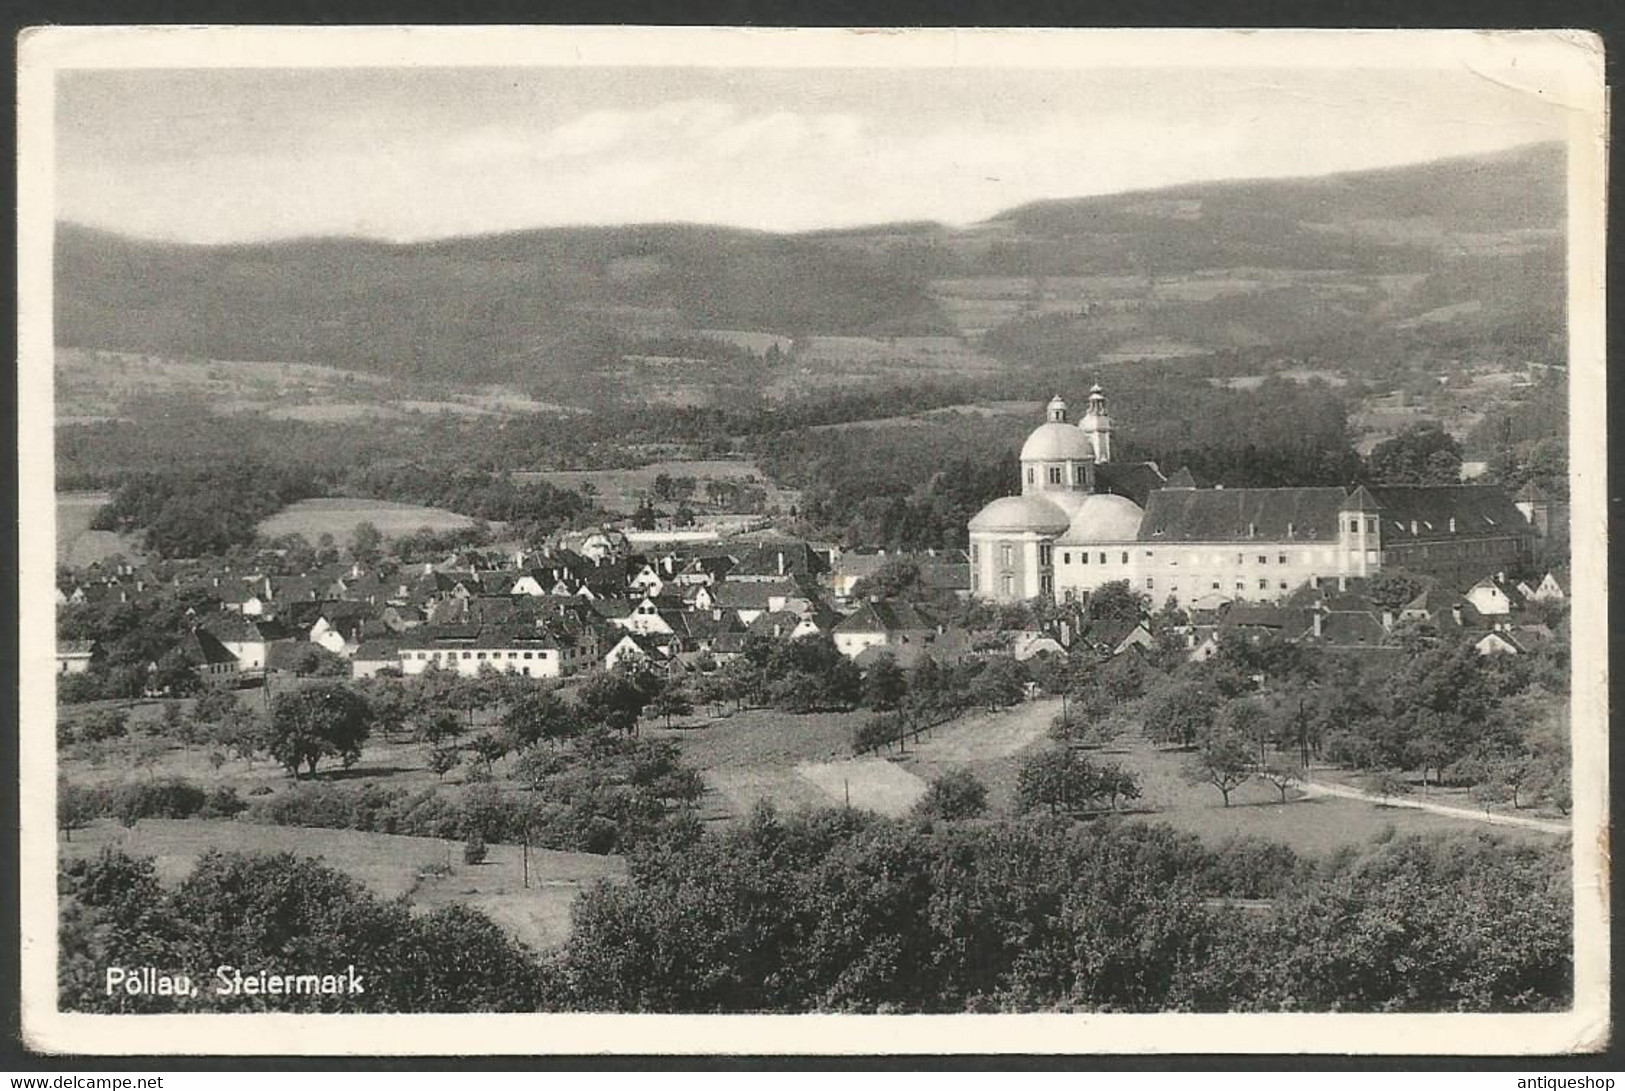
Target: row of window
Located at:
point(478, 655)
point(1057, 475)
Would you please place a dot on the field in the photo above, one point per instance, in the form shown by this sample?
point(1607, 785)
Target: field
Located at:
point(805, 761)
point(623, 490)
point(76, 543)
point(98, 385)
point(389, 865)
point(339, 516)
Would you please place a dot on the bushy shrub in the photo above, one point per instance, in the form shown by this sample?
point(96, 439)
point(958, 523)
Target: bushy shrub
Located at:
point(474, 849)
point(159, 799)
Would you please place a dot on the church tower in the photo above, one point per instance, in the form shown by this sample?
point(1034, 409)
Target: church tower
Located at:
point(1097, 425)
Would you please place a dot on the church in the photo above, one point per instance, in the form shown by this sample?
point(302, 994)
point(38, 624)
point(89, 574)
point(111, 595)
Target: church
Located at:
point(1083, 520)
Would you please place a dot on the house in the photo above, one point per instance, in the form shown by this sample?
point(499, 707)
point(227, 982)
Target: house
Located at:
point(1493, 598)
point(882, 624)
point(705, 569)
point(1551, 588)
point(1107, 637)
point(751, 599)
point(949, 645)
point(247, 638)
point(375, 654)
point(633, 649)
point(852, 566)
point(1024, 645)
point(200, 651)
point(534, 651)
point(73, 656)
point(340, 626)
point(778, 560)
point(788, 625)
point(1499, 642)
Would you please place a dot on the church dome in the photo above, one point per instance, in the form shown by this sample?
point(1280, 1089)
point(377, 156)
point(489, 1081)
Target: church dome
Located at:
point(1104, 518)
point(1021, 513)
point(1056, 442)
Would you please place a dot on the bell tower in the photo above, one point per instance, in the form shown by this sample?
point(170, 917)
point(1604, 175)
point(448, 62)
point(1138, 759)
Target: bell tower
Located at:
point(1097, 425)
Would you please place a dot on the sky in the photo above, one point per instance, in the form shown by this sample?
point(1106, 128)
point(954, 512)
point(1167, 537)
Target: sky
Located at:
point(235, 154)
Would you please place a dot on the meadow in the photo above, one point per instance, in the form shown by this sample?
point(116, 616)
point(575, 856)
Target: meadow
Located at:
point(338, 516)
point(76, 543)
point(429, 872)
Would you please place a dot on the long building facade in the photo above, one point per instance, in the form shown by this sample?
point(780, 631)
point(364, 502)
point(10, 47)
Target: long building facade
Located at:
point(1082, 521)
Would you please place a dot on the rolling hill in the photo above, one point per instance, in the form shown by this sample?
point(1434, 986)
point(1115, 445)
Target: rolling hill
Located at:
point(1465, 244)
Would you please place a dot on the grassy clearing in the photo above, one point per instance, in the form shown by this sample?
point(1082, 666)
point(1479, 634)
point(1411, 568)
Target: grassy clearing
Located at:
point(76, 543)
point(390, 865)
point(339, 516)
point(622, 490)
point(764, 736)
point(871, 784)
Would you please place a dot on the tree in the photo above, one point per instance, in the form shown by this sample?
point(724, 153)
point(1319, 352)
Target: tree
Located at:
point(437, 727)
point(443, 759)
point(540, 714)
point(1001, 683)
point(953, 795)
point(1062, 781)
point(1244, 719)
point(75, 808)
point(1387, 783)
point(671, 699)
point(366, 543)
point(1423, 454)
point(1116, 601)
point(611, 699)
point(896, 579)
point(1223, 762)
point(1179, 713)
point(328, 719)
point(884, 684)
point(1280, 774)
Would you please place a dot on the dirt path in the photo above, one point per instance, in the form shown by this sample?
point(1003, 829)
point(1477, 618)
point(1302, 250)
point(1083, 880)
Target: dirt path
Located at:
point(988, 735)
point(1320, 788)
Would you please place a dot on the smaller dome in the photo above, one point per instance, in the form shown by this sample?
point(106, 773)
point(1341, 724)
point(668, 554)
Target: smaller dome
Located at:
point(1021, 513)
point(1056, 442)
point(1104, 518)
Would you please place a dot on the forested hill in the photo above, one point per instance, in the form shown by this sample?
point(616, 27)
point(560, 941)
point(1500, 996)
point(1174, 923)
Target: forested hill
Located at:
point(1263, 262)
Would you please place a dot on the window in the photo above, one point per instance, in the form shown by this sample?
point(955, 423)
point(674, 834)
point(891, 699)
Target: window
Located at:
point(1032, 476)
point(1006, 555)
point(1046, 555)
point(1371, 525)
point(1077, 475)
point(1283, 585)
point(1240, 559)
point(1055, 475)
point(1263, 585)
point(1263, 560)
point(1354, 526)
point(1083, 558)
point(1148, 554)
point(1007, 585)
point(1241, 585)
point(527, 655)
point(975, 554)
point(1066, 558)
point(1215, 585)
point(1125, 556)
point(1149, 583)
point(480, 655)
point(1103, 558)
point(1046, 584)
point(469, 655)
point(1281, 559)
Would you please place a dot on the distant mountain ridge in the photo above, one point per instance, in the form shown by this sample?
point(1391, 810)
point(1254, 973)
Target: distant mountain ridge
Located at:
point(1483, 235)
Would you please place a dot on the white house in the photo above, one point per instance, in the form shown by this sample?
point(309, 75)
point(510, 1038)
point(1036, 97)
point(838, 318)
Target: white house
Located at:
point(73, 656)
point(535, 653)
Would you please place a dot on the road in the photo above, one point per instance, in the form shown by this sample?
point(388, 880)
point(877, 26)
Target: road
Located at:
point(1545, 825)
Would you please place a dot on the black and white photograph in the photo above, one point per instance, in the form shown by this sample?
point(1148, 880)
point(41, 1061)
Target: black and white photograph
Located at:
point(1040, 527)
